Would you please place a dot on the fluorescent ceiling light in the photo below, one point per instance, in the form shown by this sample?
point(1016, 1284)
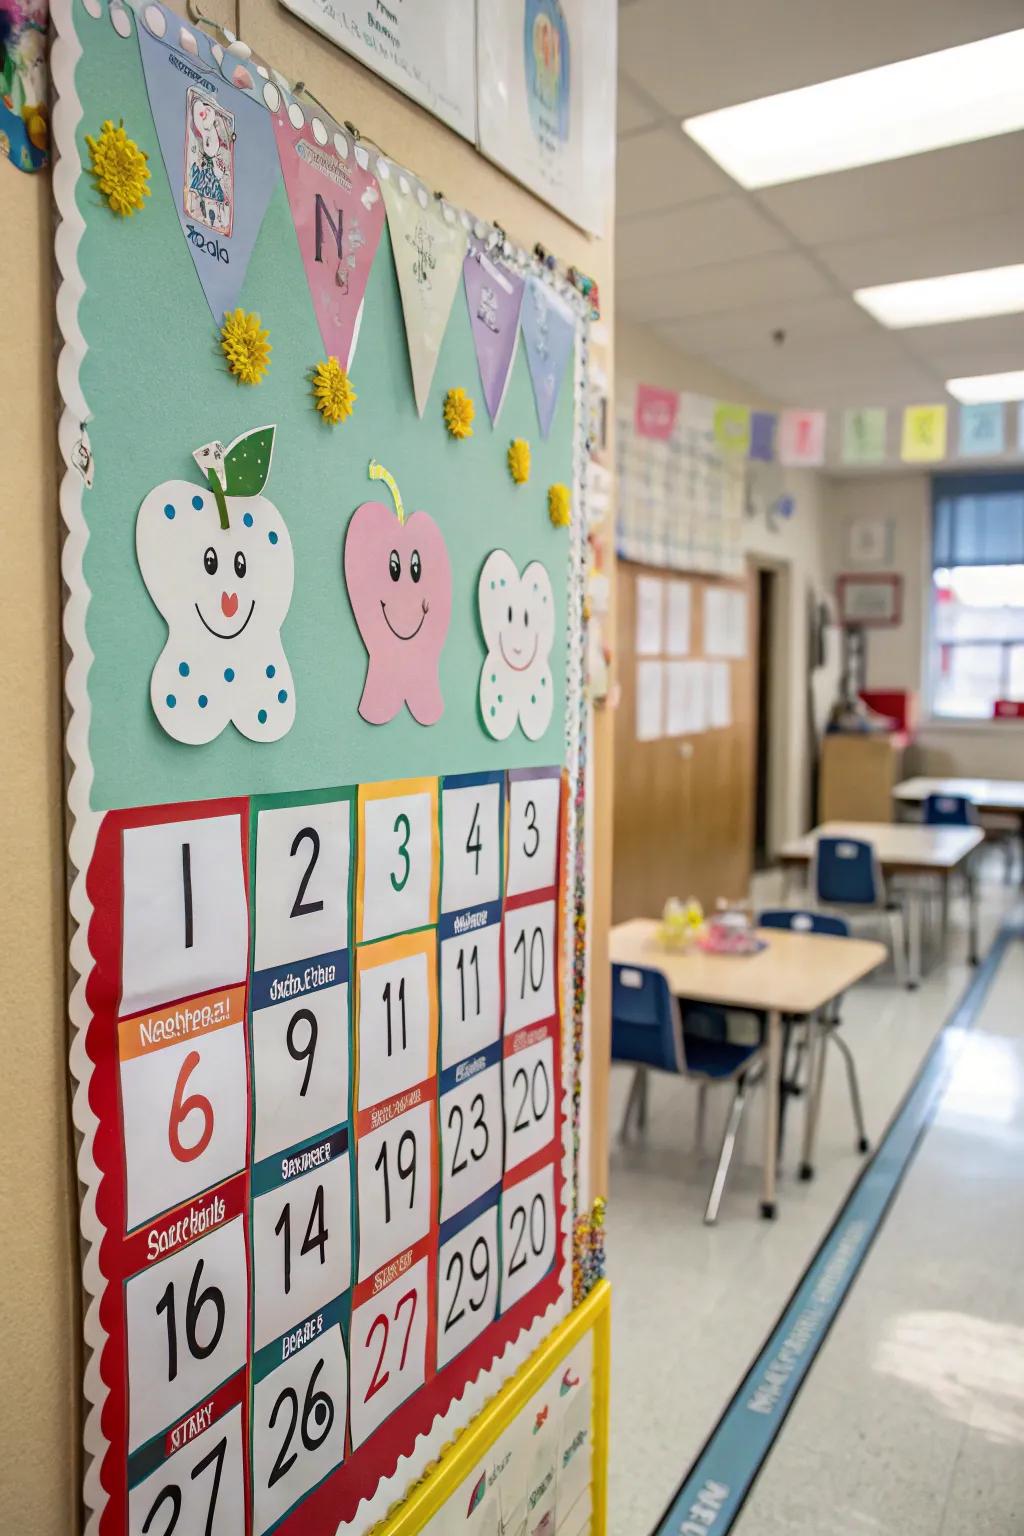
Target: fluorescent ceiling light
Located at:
point(953, 97)
point(938, 300)
point(984, 387)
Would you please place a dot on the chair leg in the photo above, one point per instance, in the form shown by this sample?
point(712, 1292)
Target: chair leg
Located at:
point(641, 1119)
point(633, 1098)
point(863, 1145)
point(899, 946)
point(732, 1125)
point(702, 1116)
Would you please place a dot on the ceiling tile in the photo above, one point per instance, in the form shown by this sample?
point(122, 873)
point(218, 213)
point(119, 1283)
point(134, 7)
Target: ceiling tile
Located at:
point(720, 229)
point(996, 337)
point(694, 55)
point(633, 111)
point(741, 329)
point(966, 182)
point(776, 278)
point(661, 169)
point(868, 370)
point(931, 251)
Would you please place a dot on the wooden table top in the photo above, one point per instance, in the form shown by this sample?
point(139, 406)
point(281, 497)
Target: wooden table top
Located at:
point(986, 794)
point(900, 846)
point(797, 973)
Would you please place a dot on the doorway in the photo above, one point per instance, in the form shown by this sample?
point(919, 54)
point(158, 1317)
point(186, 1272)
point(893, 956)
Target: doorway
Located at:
point(767, 596)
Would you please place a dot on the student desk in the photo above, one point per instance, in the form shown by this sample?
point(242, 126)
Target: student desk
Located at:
point(902, 849)
point(797, 974)
point(994, 797)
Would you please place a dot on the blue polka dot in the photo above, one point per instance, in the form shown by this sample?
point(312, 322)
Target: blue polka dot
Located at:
point(533, 698)
point(197, 502)
point(272, 536)
point(493, 710)
point(247, 519)
point(171, 701)
point(262, 717)
point(282, 697)
point(183, 668)
point(203, 701)
point(229, 674)
point(271, 671)
point(168, 511)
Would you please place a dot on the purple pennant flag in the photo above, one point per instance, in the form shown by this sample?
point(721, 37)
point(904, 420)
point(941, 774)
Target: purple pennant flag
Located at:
point(762, 436)
point(495, 297)
point(218, 151)
point(549, 330)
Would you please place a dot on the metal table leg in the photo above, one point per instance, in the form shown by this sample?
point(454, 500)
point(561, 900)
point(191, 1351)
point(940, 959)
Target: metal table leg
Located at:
point(771, 1112)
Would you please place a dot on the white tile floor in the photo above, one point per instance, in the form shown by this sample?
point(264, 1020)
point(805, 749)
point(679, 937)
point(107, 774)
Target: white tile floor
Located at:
point(692, 1305)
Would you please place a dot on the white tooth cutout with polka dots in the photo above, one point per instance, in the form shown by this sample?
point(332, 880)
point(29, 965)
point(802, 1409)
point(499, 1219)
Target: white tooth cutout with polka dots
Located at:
point(224, 593)
point(517, 619)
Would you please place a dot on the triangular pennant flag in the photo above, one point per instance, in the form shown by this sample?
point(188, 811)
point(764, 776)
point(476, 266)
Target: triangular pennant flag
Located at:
point(338, 216)
point(549, 330)
point(428, 257)
point(495, 297)
point(218, 151)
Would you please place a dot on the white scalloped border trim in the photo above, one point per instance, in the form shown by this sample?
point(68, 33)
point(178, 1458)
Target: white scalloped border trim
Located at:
point(85, 823)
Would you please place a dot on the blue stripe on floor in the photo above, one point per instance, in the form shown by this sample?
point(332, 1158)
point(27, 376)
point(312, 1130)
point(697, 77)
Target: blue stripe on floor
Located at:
point(713, 1491)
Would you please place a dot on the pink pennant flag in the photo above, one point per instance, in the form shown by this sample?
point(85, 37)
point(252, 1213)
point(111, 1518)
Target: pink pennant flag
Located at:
point(802, 438)
point(655, 411)
point(338, 215)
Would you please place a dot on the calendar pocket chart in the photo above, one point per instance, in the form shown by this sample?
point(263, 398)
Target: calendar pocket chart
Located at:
point(328, 958)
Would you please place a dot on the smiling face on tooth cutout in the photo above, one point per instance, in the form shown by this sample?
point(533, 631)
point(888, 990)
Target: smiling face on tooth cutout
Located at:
point(399, 583)
point(517, 616)
point(224, 594)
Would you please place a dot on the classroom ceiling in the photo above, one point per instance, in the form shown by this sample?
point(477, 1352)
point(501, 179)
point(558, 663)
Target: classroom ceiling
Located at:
point(715, 270)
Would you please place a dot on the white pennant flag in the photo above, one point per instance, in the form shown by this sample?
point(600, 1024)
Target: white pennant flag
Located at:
point(428, 255)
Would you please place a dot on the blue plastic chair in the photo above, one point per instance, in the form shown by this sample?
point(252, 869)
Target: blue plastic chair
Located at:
point(845, 873)
point(652, 1029)
point(795, 920)
point(949, 811)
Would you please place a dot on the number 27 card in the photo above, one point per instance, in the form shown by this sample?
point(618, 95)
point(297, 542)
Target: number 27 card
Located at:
point(326, 1033)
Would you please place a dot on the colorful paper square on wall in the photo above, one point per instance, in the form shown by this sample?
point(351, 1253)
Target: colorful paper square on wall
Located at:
point(802, 439)
point(923, 439)
point(982, 429)
point(864, 435)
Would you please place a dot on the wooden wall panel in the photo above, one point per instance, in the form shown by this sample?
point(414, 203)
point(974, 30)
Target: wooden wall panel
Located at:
point(684, 806)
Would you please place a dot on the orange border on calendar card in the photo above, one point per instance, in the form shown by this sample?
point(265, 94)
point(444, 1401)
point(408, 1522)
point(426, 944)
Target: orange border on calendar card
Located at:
point(382, 952)
point(180, 1023)
point(389, 789)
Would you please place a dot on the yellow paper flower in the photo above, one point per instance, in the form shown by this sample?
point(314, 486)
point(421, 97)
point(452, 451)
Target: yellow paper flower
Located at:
point(332, 389)
point(559, 505)
point(459, 411)
point(245, 346)
point(120, 168)
point(519, 460)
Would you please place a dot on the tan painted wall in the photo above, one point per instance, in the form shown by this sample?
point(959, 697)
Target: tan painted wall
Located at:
point(40, 1475)
point(798, 549)
point(898, 658)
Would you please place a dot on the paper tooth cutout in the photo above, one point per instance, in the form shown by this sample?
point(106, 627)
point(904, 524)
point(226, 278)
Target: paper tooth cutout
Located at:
point(338, 217)
point(428, 258)
point(495, 298)
point(517, 616)
point(400, 586)
point(549, 331)
point(218, 565)
point(217, 149)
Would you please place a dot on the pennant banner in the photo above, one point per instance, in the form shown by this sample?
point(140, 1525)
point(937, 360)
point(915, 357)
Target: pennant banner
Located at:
point(762, 436)
point(732, 428)
point(655, 412)
point(495, 297)
point(924, 434)
point(549, 331)
point(338, 216)
point(802, 439)
point(428, 257)
point(864, 435)
point(217, 149)
point(982, 429)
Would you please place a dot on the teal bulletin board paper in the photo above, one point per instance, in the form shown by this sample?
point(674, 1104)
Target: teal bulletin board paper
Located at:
point(157, 387)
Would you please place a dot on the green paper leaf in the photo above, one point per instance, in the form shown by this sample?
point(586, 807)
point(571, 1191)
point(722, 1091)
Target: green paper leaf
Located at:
point(247, 462)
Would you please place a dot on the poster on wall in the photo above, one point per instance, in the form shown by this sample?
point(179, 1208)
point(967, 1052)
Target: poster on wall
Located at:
point(426, 51)
point(327, 813)
point(546, 84)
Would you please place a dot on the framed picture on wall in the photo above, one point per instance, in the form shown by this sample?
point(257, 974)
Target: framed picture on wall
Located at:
point(874, 599)
point(869, 541)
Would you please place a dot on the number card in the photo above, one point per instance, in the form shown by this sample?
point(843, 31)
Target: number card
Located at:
point(389, 1349)
point(470, 987)
point(199, 1488)
point(395, 1170)
point(303, 874)
point(529, 1089)
point(468, 1273)
point(299, 1420)
point(528, 1234)
point(534, 804)
point(398, 858)
point(396, 1022)
point(301, 1235)
point(471, 1132)
point(472, 821)
point(530, 960)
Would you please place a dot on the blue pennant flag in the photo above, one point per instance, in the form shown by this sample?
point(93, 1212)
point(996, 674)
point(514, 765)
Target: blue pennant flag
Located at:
point(549, 330)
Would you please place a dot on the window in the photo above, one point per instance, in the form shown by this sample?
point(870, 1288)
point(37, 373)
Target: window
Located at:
point(977, 631)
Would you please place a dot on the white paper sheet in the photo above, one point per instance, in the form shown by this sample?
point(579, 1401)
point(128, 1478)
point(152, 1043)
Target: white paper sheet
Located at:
point(650, 689)
point(677, 639)
point(719, 695)
point(725, 622)
point(686, 698)
point(650, 616)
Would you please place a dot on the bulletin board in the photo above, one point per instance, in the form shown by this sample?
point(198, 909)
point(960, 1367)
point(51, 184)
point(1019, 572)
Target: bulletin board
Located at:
point(327, 741)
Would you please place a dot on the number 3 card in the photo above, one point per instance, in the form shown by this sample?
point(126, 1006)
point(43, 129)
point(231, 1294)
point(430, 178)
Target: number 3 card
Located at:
point(398, 858)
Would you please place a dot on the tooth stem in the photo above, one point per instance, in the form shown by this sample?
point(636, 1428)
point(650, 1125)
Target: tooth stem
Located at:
point(378, 472)
point(218, 492)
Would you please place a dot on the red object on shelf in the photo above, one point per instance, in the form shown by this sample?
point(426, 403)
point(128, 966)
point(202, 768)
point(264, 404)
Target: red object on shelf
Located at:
point(1008, 709)
point(898, 704)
